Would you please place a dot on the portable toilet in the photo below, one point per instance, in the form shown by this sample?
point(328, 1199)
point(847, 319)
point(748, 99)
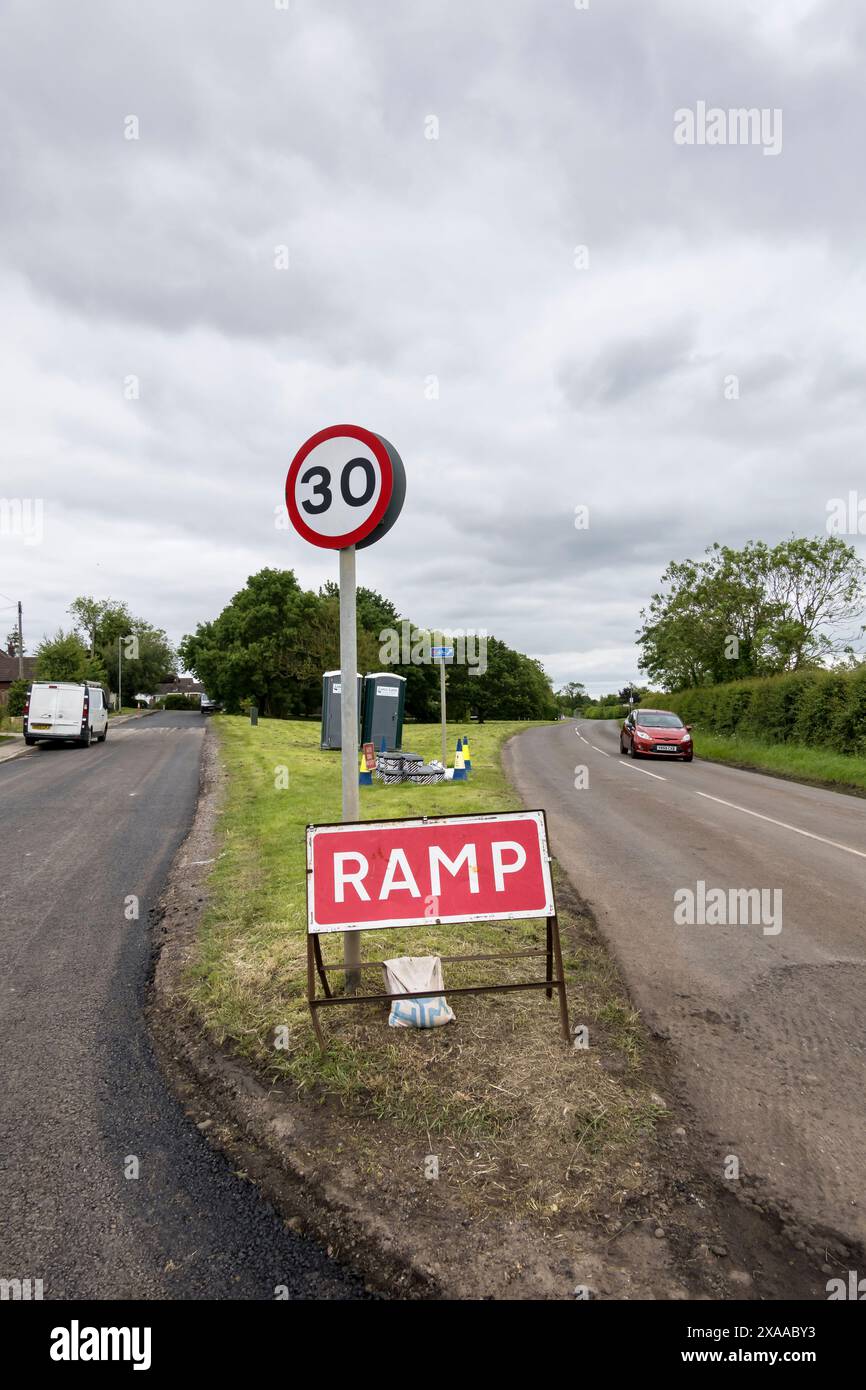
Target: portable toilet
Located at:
point(331, 714)
point(384, 703)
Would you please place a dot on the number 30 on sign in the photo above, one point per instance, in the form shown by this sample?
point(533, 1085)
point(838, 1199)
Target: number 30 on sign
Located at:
point(345, 486)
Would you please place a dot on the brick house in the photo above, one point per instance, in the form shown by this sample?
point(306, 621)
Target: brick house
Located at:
point(181, 685)
point(9, 672)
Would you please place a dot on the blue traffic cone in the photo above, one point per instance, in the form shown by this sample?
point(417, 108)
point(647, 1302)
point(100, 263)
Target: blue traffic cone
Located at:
point(459, 764)
point(365, 777)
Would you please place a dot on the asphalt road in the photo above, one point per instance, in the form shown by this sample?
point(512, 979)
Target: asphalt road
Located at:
point(769, 1027)
point(81, 829)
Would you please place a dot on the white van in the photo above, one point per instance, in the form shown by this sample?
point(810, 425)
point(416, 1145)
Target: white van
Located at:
point(56, 711)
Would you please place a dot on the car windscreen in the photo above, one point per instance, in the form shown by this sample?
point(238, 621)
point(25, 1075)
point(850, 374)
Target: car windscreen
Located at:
point(649, 720)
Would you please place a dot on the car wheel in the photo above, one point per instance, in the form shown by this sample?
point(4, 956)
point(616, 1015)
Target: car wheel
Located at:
point(688, 757)
point(631, 750)
point(621, 749)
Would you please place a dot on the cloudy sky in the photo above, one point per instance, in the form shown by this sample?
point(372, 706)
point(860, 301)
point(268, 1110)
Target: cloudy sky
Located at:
point(435, 292)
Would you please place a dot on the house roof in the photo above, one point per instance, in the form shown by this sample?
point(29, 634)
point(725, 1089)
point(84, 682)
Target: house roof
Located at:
point(9, 668)
point(184, 685)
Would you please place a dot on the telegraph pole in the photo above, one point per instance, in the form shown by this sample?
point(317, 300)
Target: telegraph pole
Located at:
point(119, 665)
point(20, 645)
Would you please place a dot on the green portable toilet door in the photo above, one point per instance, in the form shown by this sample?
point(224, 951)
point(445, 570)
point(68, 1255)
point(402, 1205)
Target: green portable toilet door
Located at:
point(384, 702)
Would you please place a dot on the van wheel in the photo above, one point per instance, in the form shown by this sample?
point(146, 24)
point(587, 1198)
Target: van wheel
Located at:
point(31, 742)
point(85, 742)
point(100, 738)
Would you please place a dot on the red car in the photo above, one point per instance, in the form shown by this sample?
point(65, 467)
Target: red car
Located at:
point(656, 733)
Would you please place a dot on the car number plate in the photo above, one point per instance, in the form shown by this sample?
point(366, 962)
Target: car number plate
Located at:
point(40, 726)
point(666, 747)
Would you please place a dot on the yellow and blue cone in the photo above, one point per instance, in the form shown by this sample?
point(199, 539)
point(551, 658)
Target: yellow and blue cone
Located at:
point(459, 764)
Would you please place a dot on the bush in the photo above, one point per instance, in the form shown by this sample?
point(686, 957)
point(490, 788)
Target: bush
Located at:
point(179, 702)
point(605, 712)
point(821, 709)
point(16, 698)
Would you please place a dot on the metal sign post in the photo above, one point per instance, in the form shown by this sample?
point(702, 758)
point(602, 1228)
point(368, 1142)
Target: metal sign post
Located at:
point(443, 654)
point(349, 730)
point(344, 490)
point(443, 713)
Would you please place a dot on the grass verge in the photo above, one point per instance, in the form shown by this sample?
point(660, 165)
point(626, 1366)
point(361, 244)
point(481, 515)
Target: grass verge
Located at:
point(819, 766)
point(550, 1124)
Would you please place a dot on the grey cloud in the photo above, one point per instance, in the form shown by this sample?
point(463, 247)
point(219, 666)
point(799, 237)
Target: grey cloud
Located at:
point(411, 259)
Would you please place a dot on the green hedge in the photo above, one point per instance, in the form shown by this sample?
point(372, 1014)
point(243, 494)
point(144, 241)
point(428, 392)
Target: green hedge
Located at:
point(605, 712)
point(821, 709)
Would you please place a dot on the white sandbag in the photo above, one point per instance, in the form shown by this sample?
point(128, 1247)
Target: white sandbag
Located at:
point(406, 974)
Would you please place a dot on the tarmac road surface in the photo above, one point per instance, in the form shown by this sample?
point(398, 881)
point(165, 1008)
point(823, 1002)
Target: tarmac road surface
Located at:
point(769, 1026)
point(81, 829)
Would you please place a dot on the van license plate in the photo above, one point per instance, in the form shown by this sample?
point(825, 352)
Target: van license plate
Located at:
point(40, 726)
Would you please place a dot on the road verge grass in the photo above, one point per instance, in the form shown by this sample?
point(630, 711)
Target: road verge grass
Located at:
point(817, 766)
point(527, 1118)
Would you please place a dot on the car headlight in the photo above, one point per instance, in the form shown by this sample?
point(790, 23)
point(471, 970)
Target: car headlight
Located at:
point(640, 734)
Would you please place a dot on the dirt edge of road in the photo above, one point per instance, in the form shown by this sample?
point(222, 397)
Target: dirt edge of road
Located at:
point(313, 1166)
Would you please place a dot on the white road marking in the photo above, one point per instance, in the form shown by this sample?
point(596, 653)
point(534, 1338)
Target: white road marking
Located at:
point(599, 750)
point(635, 768)
point(861, 854)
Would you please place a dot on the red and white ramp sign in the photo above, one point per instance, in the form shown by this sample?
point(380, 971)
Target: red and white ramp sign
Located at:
point(403, 873)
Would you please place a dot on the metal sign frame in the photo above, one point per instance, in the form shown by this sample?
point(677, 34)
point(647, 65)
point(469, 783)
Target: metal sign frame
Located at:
point(554, 977)
point(420, 919)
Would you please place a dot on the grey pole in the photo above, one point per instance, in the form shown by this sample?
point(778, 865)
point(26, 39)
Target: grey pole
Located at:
point(442, 710)
point(349, 730)
point(119, 663)
point(20, 645)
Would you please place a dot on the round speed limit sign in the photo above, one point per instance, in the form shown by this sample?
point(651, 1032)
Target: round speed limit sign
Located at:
point(345, 486)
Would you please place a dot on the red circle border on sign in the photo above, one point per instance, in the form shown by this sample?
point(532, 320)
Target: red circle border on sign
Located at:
point(374, 443)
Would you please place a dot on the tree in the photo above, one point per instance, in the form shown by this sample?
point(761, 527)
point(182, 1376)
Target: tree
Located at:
point(65, 658)
point(146, 660)
point(274, 640)
point(139, 658)
point(756, 611)
point(270, 645)
point(12, 642)
point(572, 695)
point(86, 614)
point(17, 698)
point(514, 686)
